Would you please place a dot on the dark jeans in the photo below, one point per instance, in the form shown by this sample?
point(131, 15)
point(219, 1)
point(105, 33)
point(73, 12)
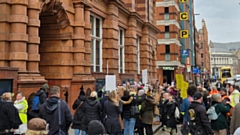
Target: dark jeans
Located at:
point(149, 130)
point(116, 134)
point(140, 131)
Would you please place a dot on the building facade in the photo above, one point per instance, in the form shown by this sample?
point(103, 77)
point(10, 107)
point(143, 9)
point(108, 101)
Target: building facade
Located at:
point(168, 56)
point(170, 43)
point(188, 43)
point(71, 43)
point(224, 54)
point(204, 51)
point(223, 58)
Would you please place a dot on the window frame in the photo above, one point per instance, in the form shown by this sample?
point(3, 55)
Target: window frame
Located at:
point(123, 51)
point(96, 38)
point(138, 54)
point(169, 51)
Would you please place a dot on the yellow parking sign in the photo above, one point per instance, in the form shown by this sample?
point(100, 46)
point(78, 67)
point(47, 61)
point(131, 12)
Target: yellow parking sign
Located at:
point(183, 15)
point(184, 34)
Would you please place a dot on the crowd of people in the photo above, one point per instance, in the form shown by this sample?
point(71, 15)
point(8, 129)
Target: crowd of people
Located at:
point(128, 110)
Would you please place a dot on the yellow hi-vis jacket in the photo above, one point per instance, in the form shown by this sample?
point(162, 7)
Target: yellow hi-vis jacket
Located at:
point(234, 97)
point(22, 107)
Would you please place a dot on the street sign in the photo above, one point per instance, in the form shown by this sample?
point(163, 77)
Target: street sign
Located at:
point(188, 68)
point(183, 15)
point(195, 70)
point(184, 53)
point(183, 33)
point(168, 68)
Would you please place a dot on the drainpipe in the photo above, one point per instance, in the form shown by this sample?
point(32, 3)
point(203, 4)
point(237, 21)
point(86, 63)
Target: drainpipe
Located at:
point(148, 11)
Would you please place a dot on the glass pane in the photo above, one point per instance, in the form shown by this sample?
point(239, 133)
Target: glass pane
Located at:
point(98, 27)
point(6, 86)
point(167, 35)
point(166, 16)
point(121, 37)
point(167, 57)
point(97, 68)
point(121, 51)
point(97, 53)
point(91, 21)
point(92, 51)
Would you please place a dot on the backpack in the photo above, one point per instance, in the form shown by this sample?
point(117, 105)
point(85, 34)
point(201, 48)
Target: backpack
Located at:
point(212, 114)
point(35, 103)
point(189, 127)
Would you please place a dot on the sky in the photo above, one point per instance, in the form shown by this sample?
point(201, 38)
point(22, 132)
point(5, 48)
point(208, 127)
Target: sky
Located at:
point(222, 18)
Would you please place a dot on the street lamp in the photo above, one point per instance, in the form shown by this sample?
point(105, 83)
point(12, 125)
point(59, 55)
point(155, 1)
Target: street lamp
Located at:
point(195, 50)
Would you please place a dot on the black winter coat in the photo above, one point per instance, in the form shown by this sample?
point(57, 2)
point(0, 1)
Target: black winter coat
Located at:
point(42, 96)
point(200, 118)
point(91, 111)
point(9, 117)
point(138, 101)
point(77, 119)
point(126, 113)
point(168, 115)
point(112, 122)
point(49, 112)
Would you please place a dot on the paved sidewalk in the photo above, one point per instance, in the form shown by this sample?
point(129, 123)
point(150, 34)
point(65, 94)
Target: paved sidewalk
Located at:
point(155, 128)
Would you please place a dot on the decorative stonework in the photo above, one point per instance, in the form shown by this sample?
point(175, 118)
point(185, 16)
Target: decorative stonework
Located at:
point(50, 41)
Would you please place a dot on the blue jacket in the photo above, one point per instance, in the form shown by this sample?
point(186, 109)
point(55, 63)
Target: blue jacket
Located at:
point(184, 108)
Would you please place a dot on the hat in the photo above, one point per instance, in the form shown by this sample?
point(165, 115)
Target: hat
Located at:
point(97, 127)
point(173, 92)
point(197, 95)
point(141, 92)
point(223, 89)
point(37, 124)
point(45, 86)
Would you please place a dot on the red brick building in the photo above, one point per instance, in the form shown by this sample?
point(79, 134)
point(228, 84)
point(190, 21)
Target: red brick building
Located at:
point(169, 46)
point(204, 50)
point(70, 43)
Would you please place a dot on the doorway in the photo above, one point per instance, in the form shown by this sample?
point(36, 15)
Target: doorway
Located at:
point(167, 76)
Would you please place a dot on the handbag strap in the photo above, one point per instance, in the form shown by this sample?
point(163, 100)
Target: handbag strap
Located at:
point(79, 105)
point(59, 114)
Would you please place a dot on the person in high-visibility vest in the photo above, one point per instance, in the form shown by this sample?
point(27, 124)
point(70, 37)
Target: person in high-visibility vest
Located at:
point(234, 96)
point(213, 91)
point(22, 106)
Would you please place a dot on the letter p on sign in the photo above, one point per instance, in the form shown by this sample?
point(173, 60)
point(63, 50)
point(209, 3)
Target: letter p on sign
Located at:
point(183, 33)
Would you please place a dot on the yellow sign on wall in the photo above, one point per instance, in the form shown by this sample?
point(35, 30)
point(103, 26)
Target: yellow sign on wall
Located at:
point(183, 0)
point(184, 34)
point(183, 15)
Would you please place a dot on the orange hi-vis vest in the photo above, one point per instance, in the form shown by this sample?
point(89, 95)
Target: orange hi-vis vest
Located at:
point(213, 92)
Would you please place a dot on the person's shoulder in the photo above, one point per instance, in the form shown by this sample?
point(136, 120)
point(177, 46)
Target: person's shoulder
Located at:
point(63, 102)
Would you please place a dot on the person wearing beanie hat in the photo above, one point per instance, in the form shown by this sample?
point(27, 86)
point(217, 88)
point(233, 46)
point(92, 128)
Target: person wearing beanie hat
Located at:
point(97, 127)
point(37, 126)
point(78, 107)
point(198, 116)
point(36, 100)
